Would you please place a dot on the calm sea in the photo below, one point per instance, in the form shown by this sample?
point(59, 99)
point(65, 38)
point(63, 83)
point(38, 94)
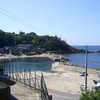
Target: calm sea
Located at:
point(45, 64)
point(90, 48)
point(32, 64)
point(93, 60)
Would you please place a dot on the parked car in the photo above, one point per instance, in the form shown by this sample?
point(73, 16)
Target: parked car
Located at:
point(83, 74)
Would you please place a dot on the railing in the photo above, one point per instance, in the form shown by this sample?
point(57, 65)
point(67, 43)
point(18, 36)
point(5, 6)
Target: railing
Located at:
point(29, 79)
point(44, 91)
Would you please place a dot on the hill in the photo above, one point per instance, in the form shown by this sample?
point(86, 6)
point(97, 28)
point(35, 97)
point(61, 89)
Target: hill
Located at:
point(49, 43)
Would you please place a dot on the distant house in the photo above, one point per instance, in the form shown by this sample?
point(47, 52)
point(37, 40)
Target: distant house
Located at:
point(5, 84)
point(7, 49)
point(25, 47)
point(38, 50)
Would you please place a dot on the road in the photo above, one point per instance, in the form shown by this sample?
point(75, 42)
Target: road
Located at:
point(20, 92)
point(56, 95)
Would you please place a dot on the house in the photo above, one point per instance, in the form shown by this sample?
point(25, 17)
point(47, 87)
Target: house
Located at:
point(24, 48)
point(38, 50)
point(5, 84)
point(7, 49)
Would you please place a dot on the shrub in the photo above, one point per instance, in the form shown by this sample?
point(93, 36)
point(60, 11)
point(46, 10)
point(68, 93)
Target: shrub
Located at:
point(94, 94)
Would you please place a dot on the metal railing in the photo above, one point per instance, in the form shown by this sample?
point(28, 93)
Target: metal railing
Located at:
point(44, 91)
point(29, 79)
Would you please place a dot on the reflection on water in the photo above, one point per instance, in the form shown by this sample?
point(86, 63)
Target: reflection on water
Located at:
point(33, 64)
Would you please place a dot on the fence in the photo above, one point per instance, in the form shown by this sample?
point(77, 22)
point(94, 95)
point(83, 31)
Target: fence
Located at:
point(29, 79)
point(44, 91)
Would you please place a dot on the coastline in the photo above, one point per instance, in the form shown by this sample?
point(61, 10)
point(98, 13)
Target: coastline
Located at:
point(50, 56)
point(65, 76)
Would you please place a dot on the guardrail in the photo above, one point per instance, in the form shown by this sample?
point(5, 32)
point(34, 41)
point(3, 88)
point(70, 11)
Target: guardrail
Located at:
point(29, 79)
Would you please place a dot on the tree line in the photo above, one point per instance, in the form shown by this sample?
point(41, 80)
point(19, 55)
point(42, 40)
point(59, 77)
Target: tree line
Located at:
point(49, 43)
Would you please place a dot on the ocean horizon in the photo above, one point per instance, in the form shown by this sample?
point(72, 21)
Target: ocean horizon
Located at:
point(89, 47)
point(93, 59)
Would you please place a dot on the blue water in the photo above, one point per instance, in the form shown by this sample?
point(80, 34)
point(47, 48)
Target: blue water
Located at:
point(90, 48)
point(32, 64)
point(45, 64)
point(93, 60)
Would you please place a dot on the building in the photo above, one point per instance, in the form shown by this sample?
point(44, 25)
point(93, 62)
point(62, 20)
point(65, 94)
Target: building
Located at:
point(24, 48)
point(5, 83)
point(38, 50)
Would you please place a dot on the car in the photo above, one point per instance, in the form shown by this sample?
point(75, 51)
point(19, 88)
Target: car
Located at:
point(83, 74)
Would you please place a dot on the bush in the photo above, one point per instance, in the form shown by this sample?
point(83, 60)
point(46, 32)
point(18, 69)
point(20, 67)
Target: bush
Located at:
point(94, 94)
point(29, 53)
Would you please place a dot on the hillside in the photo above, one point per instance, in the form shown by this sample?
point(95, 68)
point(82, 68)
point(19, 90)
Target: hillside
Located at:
point(49, 43)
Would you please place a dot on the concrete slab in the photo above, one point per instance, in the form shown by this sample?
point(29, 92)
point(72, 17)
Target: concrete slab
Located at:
point(19, 92)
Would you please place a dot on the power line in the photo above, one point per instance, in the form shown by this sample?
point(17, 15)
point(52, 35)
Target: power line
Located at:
point(12, 16)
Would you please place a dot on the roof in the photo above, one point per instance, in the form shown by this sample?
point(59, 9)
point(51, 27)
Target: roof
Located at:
point(6, 80)
point(24, 45)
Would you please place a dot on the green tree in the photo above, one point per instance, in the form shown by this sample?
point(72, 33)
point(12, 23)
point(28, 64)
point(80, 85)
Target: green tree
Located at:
point(2, 35)
point(21, 33)
point(9, 39)
point(32, 34)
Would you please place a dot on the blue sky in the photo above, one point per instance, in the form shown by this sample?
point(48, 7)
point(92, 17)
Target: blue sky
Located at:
point(75, 21)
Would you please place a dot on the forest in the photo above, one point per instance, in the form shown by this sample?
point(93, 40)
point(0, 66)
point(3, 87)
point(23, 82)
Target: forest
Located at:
point(49, 43)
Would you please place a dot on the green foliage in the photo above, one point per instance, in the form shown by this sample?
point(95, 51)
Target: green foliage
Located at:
point(49, 43)
point(6, 39)
point(29, 53)
point(22, 33)
point(32, 33)
point(94, 94)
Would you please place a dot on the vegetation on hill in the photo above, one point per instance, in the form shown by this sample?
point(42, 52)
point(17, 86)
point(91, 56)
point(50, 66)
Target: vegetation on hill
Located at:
point(49, 43)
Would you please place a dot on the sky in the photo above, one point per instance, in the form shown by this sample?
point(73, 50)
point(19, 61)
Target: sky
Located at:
point(76, 21)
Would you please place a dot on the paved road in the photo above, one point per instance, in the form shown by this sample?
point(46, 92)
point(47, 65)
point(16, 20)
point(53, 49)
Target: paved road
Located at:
point(20, 92)
point(56, 95)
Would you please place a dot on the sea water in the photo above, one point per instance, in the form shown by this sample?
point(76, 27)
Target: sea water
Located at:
point(45, 64)
point(93, 59)
point(32, 64)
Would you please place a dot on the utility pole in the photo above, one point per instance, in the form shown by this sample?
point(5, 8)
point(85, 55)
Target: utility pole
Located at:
point(86, 68)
